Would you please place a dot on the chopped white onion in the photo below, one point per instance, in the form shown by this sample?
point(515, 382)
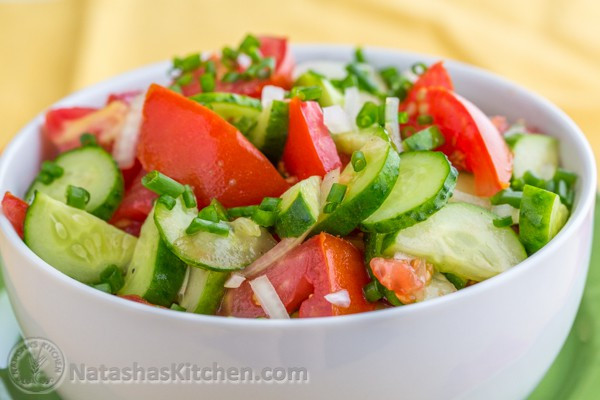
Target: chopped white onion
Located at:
point(328, 180)
point(329, 69)
point(268, 298)
point(402, 256)
point(411, 76)
point(234, 281)
point(336, 119)
point(270, 93)
point(506, 210)
point(206, 55)
point(439, 286)
point(352, 104)
point(340, 298)
point(392, 104)
point(244, 60)
point(126, 142)
point(267, 259)
point(462, 197)
point(184, 285)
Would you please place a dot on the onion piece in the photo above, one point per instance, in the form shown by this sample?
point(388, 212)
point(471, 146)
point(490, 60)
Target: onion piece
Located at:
point(244, 60)
point(184, 285)
point(126, 142)
point(234, 281)
point(268, 298)
point(506, 210)
point(270, 93)
point(340, 298)
point(329, 69)
point(336, 119)
point(392, 104)
point(329, 179)
point(352, 104)
point(462, 197)
point(267, 259)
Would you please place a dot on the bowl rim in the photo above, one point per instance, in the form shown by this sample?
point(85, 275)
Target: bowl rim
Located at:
point(576, 220)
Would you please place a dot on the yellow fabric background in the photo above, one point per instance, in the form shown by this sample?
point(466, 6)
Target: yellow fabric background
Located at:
point(49, 48)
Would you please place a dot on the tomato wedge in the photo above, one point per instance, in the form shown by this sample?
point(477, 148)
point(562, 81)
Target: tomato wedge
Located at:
point(323, 264)
point(406, 278)
point(275, 47)
point(193, 145)
point(435, 76)
point(135, 206)
point(309, 149)
point(14, 209)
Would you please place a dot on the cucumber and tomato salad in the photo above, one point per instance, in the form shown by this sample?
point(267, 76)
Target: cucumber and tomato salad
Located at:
point(228, 189)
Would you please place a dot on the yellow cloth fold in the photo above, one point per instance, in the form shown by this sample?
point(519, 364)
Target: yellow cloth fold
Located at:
point(51, 47)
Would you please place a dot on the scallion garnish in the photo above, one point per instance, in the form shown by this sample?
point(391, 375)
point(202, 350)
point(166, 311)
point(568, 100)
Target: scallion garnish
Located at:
point(269, 203)
point(189, 198)
point(45, 178)
point(264, 218)
point(249, 42)
point(507, 196)
point(201, 225)
point(53, 169)
point(337, 193)
point(77, 196)
point(368, 115)
point(188, 63)
point(402, 117)
point(329, 208)
point(237, 212)
point(167, 200)
point(569, 177)
point(162, 184)
point(114, 277)
point(424, 119)
point(184, 79)
point(359, 162)
point(306, 93)
point(371, 292)
point(418, 68)
point(503, 222)
point(87, 139)
point(364, 81)
point(207, 82)
point(230, 77)
point(359, 55)
point(214, 212)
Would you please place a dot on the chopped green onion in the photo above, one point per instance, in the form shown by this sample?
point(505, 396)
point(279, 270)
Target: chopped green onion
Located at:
point(402, 117)
point(359, 162)
point(45, 178)
point(103, 287)
point(269, 203)
point(185, 79)
point(348, 81)
point(188, 63)
point(114, 277)
point(507, 196)
point(201, 225)
point(427, 139)
point(52, 169)
point(87, 139)
point(176, 88)
point(237, 212)
point(517, 184)
point(254, 54)
point(189, 198)
point(162, 184)
point(167, 200)
point(551, 186)
point(231, 77)
point(337, 193)
point(418, 68)
point(531, 179)
point(368, 115)
point(249, 42)
point(511, 139)
point(306, 93)
point(177, 307)
point(264, 218)
point(330, 207)
point(364, 81)
point(562, 189)
point(407, 131)
point(569, 177)
point(457, 281)
point(207, 82)
point(503, 222)
point(214, 212)
point(424, 119)
point(371, 292)
point(77, 197)
point(390, 75)
point(209, 67)
point(359, 55)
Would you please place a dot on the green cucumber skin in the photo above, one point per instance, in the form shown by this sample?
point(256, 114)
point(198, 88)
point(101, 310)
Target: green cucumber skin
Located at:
point(169, 273)
point(295, 220)
point(213, 293)
point(535, 219)
point(110, 203)
point(420, 212)
point(348, 215)
point(330, 95)
point(276, 132)
point(227, 98)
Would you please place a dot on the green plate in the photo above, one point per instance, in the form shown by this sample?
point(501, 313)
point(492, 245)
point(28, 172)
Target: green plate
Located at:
point(573, 376)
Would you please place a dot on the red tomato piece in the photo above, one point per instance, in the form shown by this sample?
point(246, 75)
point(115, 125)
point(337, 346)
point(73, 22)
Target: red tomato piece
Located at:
point(15, 209)
point(131, 173)
point(194, 145)
point(472, 141)
point(125, 97)
point(322, 265)
point(135, 207)
point(64, 126)
point(406, 278)
point(435, 76)
point(309, 149)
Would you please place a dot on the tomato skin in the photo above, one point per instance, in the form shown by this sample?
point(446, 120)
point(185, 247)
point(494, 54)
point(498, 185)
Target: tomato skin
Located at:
point(195, 146)
point(309, 149)
point(125, 97)
point(275, 47)
point(15, 209)
point(323, 264)
point(406, 278)
point(472, 141)
point(135, 206)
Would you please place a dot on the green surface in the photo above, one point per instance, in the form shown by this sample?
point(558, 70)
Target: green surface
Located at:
point(573, 376)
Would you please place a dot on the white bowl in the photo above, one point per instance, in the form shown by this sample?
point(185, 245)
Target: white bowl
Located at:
point(494, 340)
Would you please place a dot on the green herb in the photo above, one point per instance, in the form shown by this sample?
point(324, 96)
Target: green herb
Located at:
point(269, 203)
point(507, 196)
point(201, 225)
point(306, 93)
point(359, 162)
point(264, 218)
point(189, 198)
point(371, 292)
point(77, 197)
point(368, 115)
point(162, 184)
point(167, 200)
point(246, 211)
point(359, 55)
point(53, 169)
point(424, 119)
point(114, 277)
point(503, 222)
point(87, 139)
point(418, 68)
point(337, 193)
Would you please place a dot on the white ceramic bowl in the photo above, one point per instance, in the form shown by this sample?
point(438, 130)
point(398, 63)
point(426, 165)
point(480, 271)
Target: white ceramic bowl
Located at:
point(494, 340)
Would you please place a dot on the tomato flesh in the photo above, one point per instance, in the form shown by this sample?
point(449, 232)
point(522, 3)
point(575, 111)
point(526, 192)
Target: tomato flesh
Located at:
point(135, 206)
point(324, 264)
point(309, 149)
point(193, 145)
point(15, 209)
point(406, 278)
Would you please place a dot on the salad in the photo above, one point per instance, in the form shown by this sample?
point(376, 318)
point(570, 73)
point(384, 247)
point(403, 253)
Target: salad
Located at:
point(254, 187)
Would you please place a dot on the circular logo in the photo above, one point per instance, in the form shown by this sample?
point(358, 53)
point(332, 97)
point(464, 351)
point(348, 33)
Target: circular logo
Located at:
point(36, 365)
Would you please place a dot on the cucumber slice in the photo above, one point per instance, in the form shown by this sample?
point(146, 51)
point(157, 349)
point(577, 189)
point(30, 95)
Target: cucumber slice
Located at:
point(366, 191)
point(299, 208)
point(204, 291)
point(270, 132)
point(349, 142)
point(91, 168)
point(330, 95)
point(536, 153)
point(245, 242)
point(239, 110)
point(154, 273)
point(425, 182)
point(460, 239)
point(541, 218)
point(74, 241)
